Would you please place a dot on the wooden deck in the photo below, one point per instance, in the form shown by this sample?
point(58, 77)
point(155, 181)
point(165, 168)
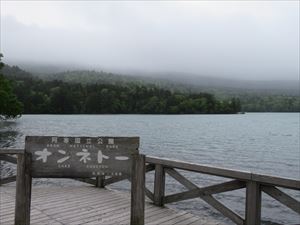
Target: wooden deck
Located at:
point(87, 204)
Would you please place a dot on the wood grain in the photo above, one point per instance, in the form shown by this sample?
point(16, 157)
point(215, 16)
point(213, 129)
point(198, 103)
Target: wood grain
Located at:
point(282, 197)
point(159, 185)
point(137, 215)
point(81, 157)
point(23, 190)
point(253, 203)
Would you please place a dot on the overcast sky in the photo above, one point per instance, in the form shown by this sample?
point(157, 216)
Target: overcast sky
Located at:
point(239, 39)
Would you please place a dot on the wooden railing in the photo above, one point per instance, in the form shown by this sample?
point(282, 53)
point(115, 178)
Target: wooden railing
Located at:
point(8, 155)
point(254, 183)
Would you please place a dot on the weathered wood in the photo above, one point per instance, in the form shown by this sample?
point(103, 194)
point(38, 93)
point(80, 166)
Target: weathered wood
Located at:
point(81, 157)
point(118, 153)
point(150, 167)
point(205, 195)
point(223, 209)
point(255, 183)
point(23, 190)
point(8, 158)
point(282, 198)
point(181, 179)
point(196, 192)
point(102, 206)
point(149, 194)
point(166, 218)
point(137, 215)
point(7, 180)
point(112, 180)
point(122, 219)
point(155, 217)
point(253, 203)
point(200, 168)
point(159, 185)
point(229, 173)
point(178, 220)
point(224, 187)
point(213, 189)
point(276, 181)
point(97, 213)
point(10, 151)
point(100, 181)
point(87, 180)
point(62, 207)
point(121, 155)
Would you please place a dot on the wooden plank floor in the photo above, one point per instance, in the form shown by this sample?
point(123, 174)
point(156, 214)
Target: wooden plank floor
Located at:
point(87, 205)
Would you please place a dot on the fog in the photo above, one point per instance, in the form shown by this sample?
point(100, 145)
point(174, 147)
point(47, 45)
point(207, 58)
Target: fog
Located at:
point(247, 40)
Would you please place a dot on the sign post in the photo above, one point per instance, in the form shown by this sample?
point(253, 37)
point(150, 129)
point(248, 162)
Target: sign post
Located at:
point(23, 190)
point(80, 157)
point(138, 190)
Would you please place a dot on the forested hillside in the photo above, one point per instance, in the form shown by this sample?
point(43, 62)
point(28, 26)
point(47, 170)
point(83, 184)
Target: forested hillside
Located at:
point(250, 100)
point(10, 107)
point(271, 99)
point(60, 97)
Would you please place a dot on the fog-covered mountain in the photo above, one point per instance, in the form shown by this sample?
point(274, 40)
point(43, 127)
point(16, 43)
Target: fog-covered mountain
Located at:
point(182, 81)
point(273, 98)
point(233, 83)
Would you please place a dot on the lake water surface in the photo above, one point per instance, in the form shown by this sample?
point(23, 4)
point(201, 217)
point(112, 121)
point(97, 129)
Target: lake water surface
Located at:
point(258, 142)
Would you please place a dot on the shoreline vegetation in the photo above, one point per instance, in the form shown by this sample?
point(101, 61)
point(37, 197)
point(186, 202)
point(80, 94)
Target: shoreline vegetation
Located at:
point(71, 92)
point(10, 106)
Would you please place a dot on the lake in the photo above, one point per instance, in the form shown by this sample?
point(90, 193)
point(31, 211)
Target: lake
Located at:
point(258, 142)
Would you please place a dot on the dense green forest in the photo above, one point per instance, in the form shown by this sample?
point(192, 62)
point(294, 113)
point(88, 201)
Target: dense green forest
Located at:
point(10, 107)
point(60, 97)
point(101, 92)
point(252, 100)
point(270, 103)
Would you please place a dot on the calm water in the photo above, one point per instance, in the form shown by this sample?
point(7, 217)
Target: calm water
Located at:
point(258, 142)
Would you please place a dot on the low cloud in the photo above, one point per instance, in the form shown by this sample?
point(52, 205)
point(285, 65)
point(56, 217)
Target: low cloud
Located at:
point(232, 40)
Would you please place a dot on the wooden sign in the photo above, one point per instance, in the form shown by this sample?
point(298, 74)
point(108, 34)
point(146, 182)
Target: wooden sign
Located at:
point(80, 157)
point(72, 157)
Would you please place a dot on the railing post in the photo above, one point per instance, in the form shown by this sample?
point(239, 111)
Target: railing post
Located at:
point(137, 213)
point(159, 185)
point(253, 203)
point(1, 175)
point(23, 190)
point(100, 181)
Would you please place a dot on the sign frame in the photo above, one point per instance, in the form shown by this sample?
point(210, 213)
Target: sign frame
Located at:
point(80, 157)
point(26, 170)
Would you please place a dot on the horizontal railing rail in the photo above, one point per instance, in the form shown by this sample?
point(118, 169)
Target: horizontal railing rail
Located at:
point(227, 173)
point(254, 183)
point(8, 156)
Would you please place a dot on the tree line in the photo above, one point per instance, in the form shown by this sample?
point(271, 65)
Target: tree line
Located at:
point(10, 107)
point(58, 97)
point(270, 103)
point(251, 100)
